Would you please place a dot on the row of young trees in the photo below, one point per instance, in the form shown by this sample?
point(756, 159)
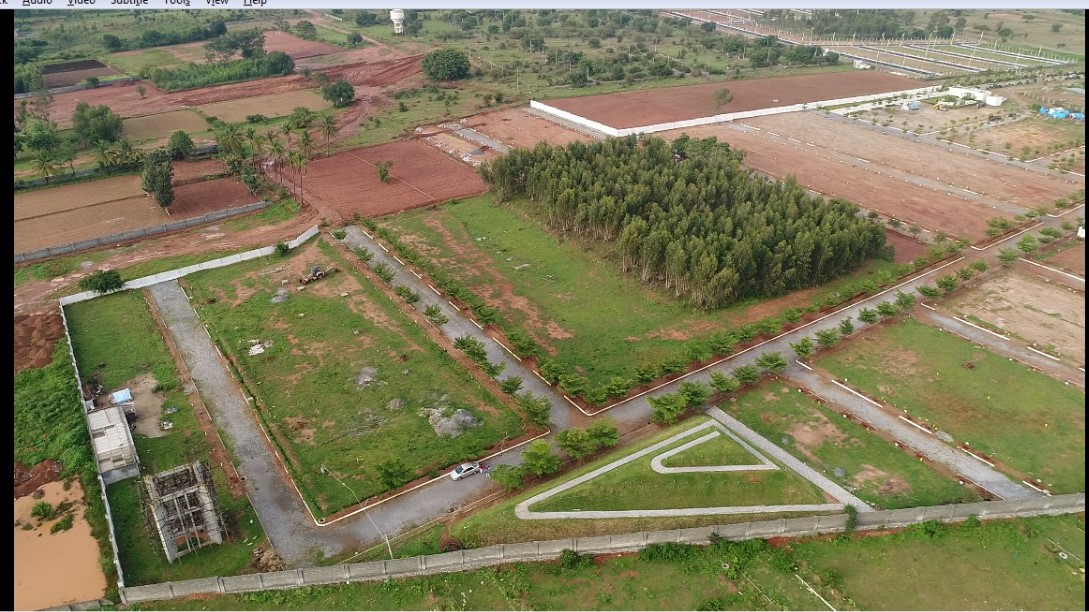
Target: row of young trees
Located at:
point(691, 217)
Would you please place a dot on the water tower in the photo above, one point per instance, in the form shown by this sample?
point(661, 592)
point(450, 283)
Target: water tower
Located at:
point(398, 18)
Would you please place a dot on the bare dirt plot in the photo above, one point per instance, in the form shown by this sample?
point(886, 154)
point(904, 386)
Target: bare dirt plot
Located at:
point(51, 217)
point(1036, 133)
point(195, 199)
point(347, 183)
point(989, 177)
point(651, 106)
point(86, 223)
point(148, 127)
point(188, 171)
point(43, 202)
point(272, 105)
point(459, 148)
point(122, 97)
point(1072, 259)
point(376, 72)
point(370, 53)
point(828, 174)
point(517, 127)
point(75, 77)
point(907, 248)
point(1040, 312)
point(189, 52)
point(295, 47)
point(929, 119)
point(34, 339)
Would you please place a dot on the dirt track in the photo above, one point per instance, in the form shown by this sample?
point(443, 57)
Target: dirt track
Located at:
point(666, 104)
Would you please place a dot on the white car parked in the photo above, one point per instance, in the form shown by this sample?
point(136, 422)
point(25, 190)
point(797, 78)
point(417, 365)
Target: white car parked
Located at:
point(466, 469)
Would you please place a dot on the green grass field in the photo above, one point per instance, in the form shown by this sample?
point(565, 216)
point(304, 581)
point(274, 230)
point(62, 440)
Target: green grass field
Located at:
point(1024, 419)
point(636, 486)
point(571, 297)
point(994, 565)
point(875, 470)
point(720, 450)
point(344, 441)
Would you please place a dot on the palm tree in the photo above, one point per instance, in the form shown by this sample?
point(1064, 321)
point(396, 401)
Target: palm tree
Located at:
point(106, 155)
point(278, 153)
point(287, 130)
point(298, 163)
point(328, 128)
point(255, 144)
point(230, 137)
point(44, 164)
point(306, 143)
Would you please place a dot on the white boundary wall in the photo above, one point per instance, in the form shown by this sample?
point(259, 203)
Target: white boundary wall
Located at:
point(723, 118)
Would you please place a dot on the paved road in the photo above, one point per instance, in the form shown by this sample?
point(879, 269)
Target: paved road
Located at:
point(934, 449)
point(474, 136)
point(1012, 348)
point(460, 324)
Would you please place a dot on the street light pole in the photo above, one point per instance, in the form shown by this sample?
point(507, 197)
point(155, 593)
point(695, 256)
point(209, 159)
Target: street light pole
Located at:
point(367, 514)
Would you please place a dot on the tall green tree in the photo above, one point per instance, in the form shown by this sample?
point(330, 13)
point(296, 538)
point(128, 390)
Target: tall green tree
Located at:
point(91, 124)
point(446, 65)
point(158, 176)
point(340, 93)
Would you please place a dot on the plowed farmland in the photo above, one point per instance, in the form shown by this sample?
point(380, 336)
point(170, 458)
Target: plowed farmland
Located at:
point(348, 183)
point(272, 105)
point(297, 48)
point(72, 213)
point(651, 106)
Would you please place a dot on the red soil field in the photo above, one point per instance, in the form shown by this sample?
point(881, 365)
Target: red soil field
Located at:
point(347, 183)
point(35, 337)
point(1072, 260)
point(297, 48)
point(907, 248)
point(989, 177)
point(187, 171)
point(375, 73)
point(828, 174)
point(74, 77)
point(115, 211)
point(517, 127)
point(666, 104)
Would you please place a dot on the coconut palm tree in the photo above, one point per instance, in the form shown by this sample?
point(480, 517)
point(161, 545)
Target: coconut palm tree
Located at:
point(306, 144)
point(45, 164)
point(287, 130)
point(279, 154)
point(298, 162)
point(328, 128)
point(231, 139)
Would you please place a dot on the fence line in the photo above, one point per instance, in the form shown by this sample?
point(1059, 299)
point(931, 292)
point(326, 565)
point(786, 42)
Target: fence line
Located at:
point(74, 247)
point(498, 554)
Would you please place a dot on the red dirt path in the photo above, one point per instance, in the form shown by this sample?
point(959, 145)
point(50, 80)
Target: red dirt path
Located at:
point(347, 183)
point(666, 104)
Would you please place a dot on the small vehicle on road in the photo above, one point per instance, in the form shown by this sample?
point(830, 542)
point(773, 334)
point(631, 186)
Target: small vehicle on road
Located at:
point(466, 469)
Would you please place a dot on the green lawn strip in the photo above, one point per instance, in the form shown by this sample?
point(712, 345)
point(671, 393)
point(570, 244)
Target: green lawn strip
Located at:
point(166, 264)
point(142, 558)
point(876, 471)
point(636, 486)
point(1005, 565)
point(720, 450)
point(606, 323)
point(995, 565)
point(147, 58)
point(305, 381)
point(1025, 419)
point(277, 213)
point(116, 339)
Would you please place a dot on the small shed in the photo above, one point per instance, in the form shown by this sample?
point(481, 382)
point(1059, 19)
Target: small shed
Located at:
point(911, 105)
point(121, 398)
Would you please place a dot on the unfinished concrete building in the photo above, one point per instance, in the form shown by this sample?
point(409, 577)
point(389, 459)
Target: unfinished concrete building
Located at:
point(181, 507)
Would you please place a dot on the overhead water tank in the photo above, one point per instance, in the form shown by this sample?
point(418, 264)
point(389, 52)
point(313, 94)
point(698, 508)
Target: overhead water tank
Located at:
point(397, 16)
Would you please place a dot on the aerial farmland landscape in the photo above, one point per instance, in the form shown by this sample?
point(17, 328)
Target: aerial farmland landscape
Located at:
point(716, 309)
